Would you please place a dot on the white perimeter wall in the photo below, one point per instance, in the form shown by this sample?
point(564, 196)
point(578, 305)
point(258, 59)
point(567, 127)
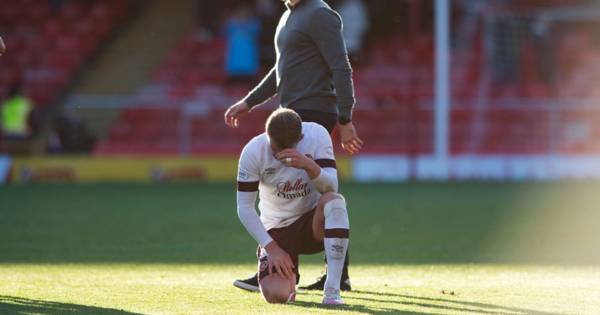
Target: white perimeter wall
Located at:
point(367, 168)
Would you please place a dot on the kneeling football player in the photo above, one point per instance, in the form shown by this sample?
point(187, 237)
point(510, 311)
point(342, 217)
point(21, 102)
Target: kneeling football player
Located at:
point(292, 167)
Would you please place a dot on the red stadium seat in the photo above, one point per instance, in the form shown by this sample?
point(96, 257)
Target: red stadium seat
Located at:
point(395, 90)
point(51, 45)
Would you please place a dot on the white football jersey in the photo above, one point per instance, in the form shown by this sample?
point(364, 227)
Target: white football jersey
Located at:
point(285, 193)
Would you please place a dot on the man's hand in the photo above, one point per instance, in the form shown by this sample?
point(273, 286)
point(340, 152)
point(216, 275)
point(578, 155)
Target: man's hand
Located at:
point(235, 112)
point(279, 260)
point(2, 47)
point(350, 140)
point(293, 158)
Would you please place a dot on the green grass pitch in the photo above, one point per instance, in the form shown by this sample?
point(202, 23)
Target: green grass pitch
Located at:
point(470, 248)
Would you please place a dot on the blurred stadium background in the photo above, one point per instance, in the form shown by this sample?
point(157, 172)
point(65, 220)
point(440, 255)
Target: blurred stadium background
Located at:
point(481, 122)
point(107, 79)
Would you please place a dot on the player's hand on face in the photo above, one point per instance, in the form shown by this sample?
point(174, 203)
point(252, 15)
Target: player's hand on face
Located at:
point(279, 261)
point(235, 112)
point(292, 158)
point(350, 140)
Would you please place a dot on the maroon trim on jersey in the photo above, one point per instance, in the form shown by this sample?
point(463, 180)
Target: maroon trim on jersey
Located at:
point(326, 163)
point(247, 186)
point(337, 233)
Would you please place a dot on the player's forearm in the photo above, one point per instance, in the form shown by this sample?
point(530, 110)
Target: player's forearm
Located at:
point(250, 219)
point(327, 180)
point(263, 91)
point(312, 169)
point(344, 89)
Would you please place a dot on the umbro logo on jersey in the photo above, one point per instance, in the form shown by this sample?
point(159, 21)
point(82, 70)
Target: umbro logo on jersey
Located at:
point(243, 175)
point(329, 151)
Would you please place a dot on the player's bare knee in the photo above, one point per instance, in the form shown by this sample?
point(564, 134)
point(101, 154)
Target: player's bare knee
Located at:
point(274, 298)
point(327, 197)
point(276, 289)
point(276, 295)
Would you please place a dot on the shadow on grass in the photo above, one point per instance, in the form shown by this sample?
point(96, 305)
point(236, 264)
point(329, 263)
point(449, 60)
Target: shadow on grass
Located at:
point(355, 308)
point(17, 305)
point(400, 300)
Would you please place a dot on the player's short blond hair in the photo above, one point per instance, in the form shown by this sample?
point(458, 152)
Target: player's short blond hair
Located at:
point(284, 127)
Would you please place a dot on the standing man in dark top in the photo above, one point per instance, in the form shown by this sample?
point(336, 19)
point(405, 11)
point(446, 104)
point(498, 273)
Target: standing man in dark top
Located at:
point(312, 76)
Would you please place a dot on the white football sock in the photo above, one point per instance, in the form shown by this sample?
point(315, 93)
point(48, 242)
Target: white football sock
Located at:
point(337, 230)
